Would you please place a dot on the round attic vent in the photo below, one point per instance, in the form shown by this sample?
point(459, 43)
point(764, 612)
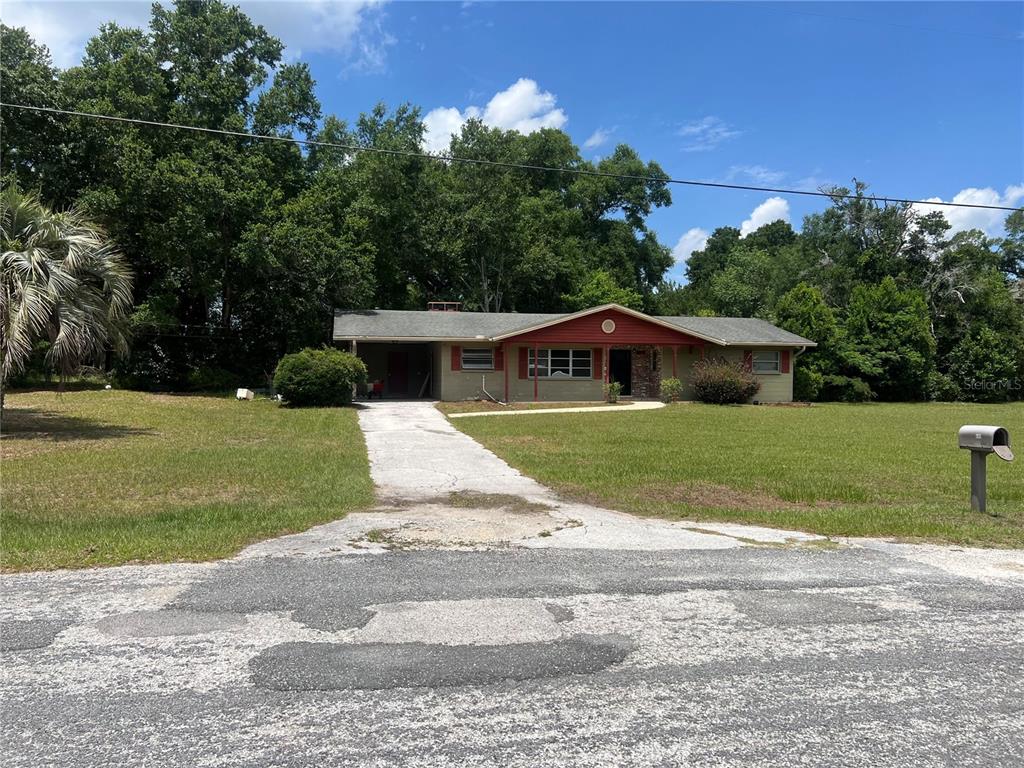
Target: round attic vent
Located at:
point(608, 326)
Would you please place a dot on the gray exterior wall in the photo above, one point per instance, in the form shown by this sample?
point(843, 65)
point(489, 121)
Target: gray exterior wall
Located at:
point(467, 385)
point(775, 387)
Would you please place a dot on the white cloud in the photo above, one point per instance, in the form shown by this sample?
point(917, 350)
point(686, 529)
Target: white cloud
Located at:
point(521, 107)
point(988, 221)
point(755, 173)
point(772, 209)
point(350, 27)
point(524, 107)
point(64, 27)
point(597, 138)
point(692, 240)
point(438, 126)
point(706, 134)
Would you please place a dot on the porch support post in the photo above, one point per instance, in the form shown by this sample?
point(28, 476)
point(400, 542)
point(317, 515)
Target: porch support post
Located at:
point(506, 362)
point(355, 351)
point(675, 354)
point(607, 361)
point(536, 366)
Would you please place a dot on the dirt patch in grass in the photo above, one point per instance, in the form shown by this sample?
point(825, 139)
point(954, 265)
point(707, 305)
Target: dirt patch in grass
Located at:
point(504, 501)
point(222, 493)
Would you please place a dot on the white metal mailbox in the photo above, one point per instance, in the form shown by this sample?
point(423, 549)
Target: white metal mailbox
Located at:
point(986, 439)
point(981, 440)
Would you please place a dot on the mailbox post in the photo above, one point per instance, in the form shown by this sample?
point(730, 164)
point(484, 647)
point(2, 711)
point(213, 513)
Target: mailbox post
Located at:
point(981, 440)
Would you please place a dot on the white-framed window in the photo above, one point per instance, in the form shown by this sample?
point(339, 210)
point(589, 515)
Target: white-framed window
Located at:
point(766, 362)
point(561, 364)
point(478, 358)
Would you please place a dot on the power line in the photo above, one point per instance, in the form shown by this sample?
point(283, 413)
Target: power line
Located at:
point(496, 163)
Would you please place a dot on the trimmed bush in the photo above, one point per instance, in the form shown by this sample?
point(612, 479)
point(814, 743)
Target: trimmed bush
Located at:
point(720, 382)
point(671, 390)
point(318, 377)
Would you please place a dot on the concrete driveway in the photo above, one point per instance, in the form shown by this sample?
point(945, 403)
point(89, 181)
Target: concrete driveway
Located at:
point(403, 646)
point(440, 487)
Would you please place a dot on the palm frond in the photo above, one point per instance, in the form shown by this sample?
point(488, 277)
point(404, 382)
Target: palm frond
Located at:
point(62, 279)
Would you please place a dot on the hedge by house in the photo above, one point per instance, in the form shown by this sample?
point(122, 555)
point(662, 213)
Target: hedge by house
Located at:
point(318, 377)
point(720, 382)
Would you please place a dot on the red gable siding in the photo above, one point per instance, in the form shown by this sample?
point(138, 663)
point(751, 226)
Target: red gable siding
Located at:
point(587, 330)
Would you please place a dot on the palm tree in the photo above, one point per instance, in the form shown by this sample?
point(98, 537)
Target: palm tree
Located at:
point(61, 280)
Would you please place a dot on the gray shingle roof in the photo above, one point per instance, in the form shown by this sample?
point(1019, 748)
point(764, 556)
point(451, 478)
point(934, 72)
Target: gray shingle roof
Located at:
point(395, 323)
point(737, 330)
point(401, 324)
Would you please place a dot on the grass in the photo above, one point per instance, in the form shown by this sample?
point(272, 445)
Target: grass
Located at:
point(110, 477)
point(479, 406)
point(889, 470)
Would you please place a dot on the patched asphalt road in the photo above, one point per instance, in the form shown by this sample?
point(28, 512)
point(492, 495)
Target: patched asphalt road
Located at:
point(517, 657)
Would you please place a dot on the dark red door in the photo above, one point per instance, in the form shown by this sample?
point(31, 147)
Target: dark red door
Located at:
point(398, 373)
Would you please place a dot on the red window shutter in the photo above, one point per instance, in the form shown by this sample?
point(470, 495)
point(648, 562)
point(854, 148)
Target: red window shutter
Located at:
point(499, 358)
point(598, 360)
point(524, 363)
point(456, 358)
point(748, 360)
point(784, 361)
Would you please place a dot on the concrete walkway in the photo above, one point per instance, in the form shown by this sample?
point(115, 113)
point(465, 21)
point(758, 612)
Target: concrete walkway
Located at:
point(640, 405)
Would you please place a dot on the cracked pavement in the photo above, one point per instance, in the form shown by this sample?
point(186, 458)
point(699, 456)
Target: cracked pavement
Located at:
point(601, 644)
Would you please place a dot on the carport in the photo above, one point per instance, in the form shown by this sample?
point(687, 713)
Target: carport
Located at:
point(403, 368)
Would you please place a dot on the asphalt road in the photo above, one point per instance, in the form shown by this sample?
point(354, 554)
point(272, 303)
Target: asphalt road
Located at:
point(516, 657)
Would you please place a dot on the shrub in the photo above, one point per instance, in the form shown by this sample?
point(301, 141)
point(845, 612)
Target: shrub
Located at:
point(721, 382)
point(318, 377)
point(671, 390)
point(942, 388)
point(984, 366)
point(612, 390)
point(807, 384)
point(845, 389)
point(208, 378)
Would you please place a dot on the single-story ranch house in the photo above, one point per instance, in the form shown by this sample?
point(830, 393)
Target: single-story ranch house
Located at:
point(447, 354)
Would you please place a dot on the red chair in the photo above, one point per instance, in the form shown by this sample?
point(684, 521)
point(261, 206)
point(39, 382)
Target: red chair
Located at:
point(376, 390)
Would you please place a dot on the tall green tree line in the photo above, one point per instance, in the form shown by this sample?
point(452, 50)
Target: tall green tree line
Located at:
point(900, 308)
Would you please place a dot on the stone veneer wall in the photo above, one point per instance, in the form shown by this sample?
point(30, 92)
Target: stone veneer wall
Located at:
point(646, 376)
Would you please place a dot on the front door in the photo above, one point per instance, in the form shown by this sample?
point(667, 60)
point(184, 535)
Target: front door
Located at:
point(620, 369)
point(398, 373)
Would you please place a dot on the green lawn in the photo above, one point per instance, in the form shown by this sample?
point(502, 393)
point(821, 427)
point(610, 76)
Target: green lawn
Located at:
point(108, 477)
point(889, 470)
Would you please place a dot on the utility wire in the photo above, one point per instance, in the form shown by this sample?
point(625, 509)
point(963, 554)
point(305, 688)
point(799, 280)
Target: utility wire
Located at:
point(496, 163)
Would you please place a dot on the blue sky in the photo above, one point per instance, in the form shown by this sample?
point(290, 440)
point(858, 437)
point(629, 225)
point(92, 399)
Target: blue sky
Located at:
point(922, 100)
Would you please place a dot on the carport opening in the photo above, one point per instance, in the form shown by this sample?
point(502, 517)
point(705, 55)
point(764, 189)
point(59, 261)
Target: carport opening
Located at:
point(397, 370)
